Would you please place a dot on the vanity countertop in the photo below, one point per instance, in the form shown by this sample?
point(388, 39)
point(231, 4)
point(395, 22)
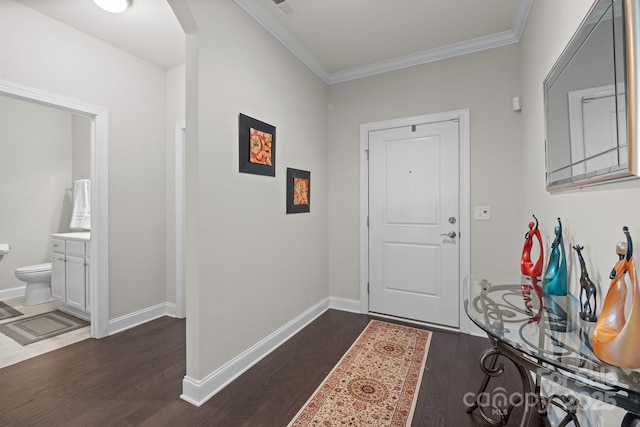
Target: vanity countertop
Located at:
point(81, 235)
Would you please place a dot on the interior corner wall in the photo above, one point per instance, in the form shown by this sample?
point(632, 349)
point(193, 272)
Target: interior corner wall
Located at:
point(44, 54)
point(592, 217)
point(485, 83)
point(81, 128)
point(257, 268)
point(175, 112)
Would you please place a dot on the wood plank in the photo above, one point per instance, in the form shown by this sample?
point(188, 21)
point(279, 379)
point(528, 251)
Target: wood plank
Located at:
point(134, 378)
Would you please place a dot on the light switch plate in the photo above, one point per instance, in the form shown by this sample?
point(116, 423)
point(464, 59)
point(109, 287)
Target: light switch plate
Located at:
point(482, 213)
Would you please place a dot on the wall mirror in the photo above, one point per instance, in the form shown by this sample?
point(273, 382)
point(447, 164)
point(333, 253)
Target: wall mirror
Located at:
point(590, 100)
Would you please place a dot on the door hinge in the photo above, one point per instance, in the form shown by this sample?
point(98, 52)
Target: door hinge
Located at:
point(366, 151)
point(367, 221)
point(367, 288)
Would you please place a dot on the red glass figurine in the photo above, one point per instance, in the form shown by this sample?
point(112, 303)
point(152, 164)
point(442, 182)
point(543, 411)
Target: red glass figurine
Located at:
point(526, 265)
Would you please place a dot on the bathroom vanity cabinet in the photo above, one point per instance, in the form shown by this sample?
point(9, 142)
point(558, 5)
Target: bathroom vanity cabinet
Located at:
point(70, 267)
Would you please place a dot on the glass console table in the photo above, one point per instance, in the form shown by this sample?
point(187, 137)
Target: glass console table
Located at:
point(544, 336)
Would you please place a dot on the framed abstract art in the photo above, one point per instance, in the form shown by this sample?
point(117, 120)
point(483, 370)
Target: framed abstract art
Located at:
point(298, 190)
point(257, 146)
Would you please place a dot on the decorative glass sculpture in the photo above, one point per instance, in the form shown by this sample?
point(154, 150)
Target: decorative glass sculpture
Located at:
point(588, 301)
point(555, 280)
point(533, 297)
point(615, 337)
point(527, 266)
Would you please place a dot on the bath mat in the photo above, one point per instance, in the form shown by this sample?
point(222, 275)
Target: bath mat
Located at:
point(6, 311)
point(40, 327)
point(375, 383)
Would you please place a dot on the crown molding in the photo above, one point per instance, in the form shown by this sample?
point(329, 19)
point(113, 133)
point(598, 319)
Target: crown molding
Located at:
point(283, 36)
point(520, 20)
point(457, 49)
point(424, 57)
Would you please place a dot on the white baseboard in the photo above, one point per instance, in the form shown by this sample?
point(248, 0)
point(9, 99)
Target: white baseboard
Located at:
point(11, 293)
point(171, 309)
point(139, 317)
point(198, 392)
point(344, 304)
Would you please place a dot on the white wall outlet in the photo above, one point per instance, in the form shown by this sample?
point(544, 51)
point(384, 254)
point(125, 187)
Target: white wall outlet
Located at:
point(482, 213)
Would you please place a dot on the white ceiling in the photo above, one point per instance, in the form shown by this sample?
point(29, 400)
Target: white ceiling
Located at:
point(148, 29)
point(338, 39)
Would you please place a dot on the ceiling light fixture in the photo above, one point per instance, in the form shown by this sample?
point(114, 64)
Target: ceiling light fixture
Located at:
point(113, 6)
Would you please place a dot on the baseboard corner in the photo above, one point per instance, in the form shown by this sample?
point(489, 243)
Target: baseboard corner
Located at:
point(345, 304)
point(11, 293)
point(139, 317)
point(197, 392)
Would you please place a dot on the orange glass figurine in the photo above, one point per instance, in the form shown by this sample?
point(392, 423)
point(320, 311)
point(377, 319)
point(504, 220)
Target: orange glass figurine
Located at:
point(615, 338)
point(527, 266)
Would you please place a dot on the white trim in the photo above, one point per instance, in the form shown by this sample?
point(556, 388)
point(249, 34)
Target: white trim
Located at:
point(431, 326)
point(344, 304)
point(171, 310)
point(257, 12)
point(464, 197)
point(99, 188)
point(11, 293)
point(253, 8)
point(140, 317)
point(180, 172)
point(198, 392)
point(75, 312)
point(520, 20)
point(425, 57)
point(465, 212)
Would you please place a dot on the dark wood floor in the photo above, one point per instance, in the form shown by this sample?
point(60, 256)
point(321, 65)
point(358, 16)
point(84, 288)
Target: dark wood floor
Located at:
point(134, 378)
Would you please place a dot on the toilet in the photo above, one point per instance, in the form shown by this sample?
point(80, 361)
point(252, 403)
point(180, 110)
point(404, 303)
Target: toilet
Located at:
point(38, 280)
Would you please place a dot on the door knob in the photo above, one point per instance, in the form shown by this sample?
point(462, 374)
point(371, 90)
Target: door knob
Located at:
point(451, 234)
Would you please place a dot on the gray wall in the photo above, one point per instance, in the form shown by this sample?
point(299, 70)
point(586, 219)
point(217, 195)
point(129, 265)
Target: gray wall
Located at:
point(483, 82)
point(81, 128)
point(592, 217)
point(251, 267)
point(59, 59)
point(35, 182)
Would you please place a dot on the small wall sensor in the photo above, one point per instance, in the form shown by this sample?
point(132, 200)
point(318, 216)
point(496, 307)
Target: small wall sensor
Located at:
point(515, 103)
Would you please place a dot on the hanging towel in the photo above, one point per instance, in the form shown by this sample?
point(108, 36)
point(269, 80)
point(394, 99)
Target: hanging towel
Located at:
point(81, 215)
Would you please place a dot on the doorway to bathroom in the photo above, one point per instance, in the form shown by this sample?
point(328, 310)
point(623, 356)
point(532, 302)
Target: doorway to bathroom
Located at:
point(97, 119)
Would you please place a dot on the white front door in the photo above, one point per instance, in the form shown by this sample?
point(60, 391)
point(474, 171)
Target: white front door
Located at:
point(414, 253)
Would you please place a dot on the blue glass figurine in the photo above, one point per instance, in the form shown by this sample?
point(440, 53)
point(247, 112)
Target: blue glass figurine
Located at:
point(588, 301)
point(555, 280)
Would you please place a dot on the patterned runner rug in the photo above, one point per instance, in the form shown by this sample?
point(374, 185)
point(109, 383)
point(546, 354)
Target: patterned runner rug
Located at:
point(40, 327)
point(375, 383)
point(6, 311)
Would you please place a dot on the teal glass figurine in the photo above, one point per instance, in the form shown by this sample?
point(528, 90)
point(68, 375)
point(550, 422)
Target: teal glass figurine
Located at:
point(588, 293)
point(555, 281)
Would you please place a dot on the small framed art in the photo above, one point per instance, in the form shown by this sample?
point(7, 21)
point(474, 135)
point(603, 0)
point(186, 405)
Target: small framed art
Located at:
point(298, 190)
point(257, 146)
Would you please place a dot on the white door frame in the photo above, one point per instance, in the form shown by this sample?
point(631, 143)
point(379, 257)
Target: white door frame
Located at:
point(180, 155)
point(99, 279)
point(465, 211)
